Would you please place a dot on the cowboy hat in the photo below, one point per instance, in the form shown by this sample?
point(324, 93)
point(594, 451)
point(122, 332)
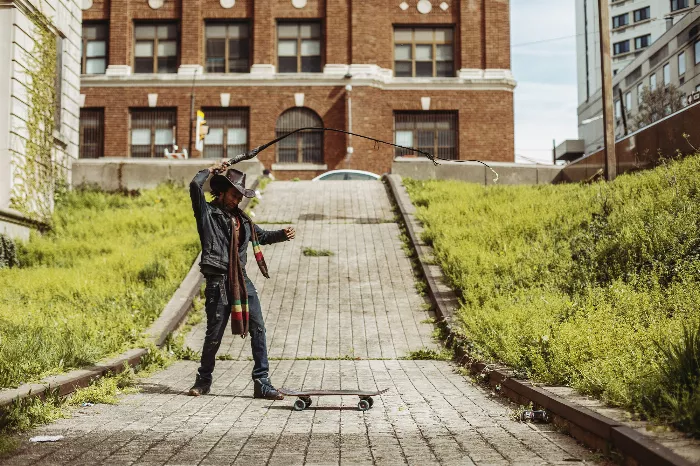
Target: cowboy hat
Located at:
point(232, 178)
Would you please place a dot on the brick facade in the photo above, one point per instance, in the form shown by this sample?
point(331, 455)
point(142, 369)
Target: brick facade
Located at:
point(357, 39)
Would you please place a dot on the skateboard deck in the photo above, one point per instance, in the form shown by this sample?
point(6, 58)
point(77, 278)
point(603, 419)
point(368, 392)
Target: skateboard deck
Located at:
point(304, 396)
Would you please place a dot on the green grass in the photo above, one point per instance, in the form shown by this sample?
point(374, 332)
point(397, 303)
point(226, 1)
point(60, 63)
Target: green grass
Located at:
point(425, 354)
point(88, 288)
point(311, 252)
point(592, 286)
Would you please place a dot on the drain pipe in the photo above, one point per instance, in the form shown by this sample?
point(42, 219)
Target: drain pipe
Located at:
point(349, 150)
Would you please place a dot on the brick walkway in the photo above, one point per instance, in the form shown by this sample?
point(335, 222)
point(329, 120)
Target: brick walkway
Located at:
point(360, 302)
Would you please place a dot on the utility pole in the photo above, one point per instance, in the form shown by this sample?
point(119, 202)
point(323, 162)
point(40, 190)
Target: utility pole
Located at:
point(608, 111)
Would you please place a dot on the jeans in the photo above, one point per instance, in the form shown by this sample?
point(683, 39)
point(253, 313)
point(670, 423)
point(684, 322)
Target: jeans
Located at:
point(218, 314)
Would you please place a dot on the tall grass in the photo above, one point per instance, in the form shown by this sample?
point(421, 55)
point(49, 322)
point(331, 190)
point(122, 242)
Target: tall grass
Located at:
point(594, 286)
point(88, 288)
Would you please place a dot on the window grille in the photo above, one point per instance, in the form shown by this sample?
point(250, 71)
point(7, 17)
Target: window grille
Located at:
point(432, 132)
point(228, 132)
point(302, 147)
point(91, 133)
point(152, 131)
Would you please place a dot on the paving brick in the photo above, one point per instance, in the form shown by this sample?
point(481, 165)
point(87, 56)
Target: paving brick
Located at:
point(363, 299)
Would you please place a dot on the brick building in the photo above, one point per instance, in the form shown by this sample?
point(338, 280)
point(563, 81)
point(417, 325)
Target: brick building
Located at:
point(424, 73)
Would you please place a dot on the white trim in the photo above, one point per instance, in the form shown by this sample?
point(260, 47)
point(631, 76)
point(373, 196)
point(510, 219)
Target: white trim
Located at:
point(299, 166)
point(363, 75)
point(262, 70)
point(118, 70)
point(189, 70)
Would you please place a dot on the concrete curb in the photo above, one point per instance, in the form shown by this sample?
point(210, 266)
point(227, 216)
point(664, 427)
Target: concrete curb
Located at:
point(169, 320)
point(587, 426)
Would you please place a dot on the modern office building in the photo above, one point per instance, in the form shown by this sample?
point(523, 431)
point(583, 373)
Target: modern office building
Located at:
point(424, 73)
point(39, 39)
point(673, 59)
point(635, 24)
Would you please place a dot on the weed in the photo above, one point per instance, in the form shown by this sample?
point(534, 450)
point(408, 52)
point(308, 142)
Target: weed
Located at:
point(224, 357)
point(106, 389)
point(429, 320)
point(310, 252)
point(430, 354)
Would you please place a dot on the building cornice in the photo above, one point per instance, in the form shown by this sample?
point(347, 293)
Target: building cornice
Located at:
point(468, 80)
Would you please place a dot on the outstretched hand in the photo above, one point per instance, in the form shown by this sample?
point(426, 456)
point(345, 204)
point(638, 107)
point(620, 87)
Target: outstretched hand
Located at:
point(290, 232)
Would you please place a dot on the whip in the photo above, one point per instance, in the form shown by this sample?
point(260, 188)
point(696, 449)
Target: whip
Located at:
point(251, 154)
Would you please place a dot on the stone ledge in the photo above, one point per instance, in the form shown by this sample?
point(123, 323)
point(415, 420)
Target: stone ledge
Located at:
point(591, 428)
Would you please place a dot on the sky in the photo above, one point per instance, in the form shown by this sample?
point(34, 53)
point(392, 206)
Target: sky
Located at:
point(546, 96)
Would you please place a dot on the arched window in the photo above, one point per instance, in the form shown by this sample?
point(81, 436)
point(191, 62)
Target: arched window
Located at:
point(302, 147)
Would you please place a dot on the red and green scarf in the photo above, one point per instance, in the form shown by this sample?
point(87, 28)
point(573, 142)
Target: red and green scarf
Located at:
point(236, 280)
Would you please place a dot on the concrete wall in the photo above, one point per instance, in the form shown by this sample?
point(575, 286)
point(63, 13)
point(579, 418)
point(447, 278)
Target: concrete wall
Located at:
point(473, 172)
point(113, 174)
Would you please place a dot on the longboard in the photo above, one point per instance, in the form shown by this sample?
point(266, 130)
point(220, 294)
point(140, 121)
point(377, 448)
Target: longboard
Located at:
point(304, 396)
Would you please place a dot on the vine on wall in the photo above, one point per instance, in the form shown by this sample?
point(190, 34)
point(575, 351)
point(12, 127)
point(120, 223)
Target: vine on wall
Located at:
point(37, 174)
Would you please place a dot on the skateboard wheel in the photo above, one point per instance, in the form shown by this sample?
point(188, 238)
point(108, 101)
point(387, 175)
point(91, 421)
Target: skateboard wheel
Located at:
point(299, 405)
point(307, 401)
point(363, 405)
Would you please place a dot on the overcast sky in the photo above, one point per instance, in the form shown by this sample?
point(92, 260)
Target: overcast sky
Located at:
point(545, 99)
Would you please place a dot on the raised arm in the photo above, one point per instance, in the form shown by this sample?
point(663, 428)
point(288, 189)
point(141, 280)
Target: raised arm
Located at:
point(270, 236)
point(197, 193)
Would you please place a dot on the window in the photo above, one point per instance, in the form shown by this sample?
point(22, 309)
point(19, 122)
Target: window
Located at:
point(227, 47)
point(620, 20)
point(618, 109)
point(155, 48)
point(678, 4)
point(303, 147)
point(697, 52)
point(652, 82)
point(642, 41)
point(299, 47)
point(640, 93)
point(228, 132)
point(681, 64)
point(621, 47)
point(642, 14)
point(423, 52)
point(91, 132)
point(432, 132)
point(58, 83)
point(94, 49)
point(152, 131)
point(615, 72)
point(667, 74)
point(628, 102)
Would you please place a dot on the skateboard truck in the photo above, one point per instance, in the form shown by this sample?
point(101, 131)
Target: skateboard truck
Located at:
point(303, 400)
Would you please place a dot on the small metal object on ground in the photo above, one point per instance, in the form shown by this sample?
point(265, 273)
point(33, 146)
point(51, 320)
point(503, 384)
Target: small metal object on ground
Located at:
point(536, 416)
point(303, 400)
point(46, 438)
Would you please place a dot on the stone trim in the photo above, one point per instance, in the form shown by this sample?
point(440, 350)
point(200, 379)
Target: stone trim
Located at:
point(299, 166)
point(334, 75)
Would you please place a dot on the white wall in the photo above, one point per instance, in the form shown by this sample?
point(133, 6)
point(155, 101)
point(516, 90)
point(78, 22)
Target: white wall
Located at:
point(16, 44)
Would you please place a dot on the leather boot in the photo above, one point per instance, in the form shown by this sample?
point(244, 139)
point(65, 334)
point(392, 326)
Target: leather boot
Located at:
point(199, 388)
point(262, 388)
